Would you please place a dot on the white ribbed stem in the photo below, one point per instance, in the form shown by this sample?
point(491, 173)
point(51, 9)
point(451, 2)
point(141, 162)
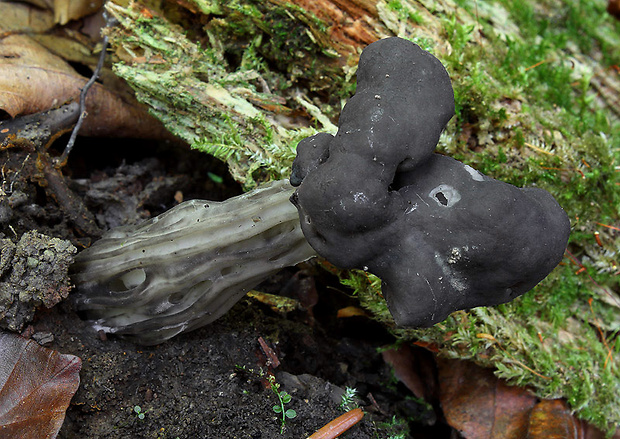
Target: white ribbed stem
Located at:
point(188, 266)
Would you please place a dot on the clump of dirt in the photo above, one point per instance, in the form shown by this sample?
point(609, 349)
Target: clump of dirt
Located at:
point(33, 273)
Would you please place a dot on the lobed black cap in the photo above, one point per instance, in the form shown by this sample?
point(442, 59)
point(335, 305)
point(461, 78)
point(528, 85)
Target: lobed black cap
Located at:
point(440, 235)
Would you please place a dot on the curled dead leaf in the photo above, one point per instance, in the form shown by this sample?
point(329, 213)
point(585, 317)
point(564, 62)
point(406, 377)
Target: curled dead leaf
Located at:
point(34, 80)
point(16, 17)
point(66, 10)
point(415, 368)
point(481, 406)
point(36, 386)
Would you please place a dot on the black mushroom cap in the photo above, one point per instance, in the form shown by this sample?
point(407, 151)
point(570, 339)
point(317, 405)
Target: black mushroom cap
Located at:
point(440, 235)
point(311, 152)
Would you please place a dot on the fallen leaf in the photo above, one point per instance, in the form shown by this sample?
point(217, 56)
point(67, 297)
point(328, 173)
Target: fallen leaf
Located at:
point(67, 48)
point(34, 80)
point(613, 7)
point(415, 368)
point(427, 345)
point(26, 72)
point(15, 17)
point(552, 419)
point(41, 4)
point(36, 386)
point(66, 10)
point(351, 311)
point(481, 406)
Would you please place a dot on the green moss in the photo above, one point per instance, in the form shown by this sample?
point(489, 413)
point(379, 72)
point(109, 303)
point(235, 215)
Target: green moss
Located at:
point(405, 12)
point(201, 98)
point(283, 36)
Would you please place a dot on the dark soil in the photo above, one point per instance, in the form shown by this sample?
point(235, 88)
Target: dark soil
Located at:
point(211, 383)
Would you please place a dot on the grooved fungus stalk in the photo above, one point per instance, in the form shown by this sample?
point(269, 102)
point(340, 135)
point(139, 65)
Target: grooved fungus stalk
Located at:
point(188, 266)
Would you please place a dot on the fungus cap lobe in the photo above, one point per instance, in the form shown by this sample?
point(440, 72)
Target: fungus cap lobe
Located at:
point(440, 235)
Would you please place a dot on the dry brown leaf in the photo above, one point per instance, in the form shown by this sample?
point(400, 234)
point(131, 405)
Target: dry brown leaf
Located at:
point(67, 48)
point(613, 7)
point(66, 10)
point(76, 50)
point(41, 4)
point(33, 80)
point(24, 18)
point(415, 368)
point(351, 311)
point(481, 406)
point(552, 419)
point(36, 386)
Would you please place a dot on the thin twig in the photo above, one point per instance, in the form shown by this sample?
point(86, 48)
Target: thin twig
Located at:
point(272, 358)
point(72, 206)
point(83, 113)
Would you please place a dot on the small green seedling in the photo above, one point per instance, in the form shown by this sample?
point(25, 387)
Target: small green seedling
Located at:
point(283, 398)
point(395, 428)
point(138, 410)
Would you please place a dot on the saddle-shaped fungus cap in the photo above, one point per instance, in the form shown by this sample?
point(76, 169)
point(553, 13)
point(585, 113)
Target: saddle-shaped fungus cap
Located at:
point(440, 235)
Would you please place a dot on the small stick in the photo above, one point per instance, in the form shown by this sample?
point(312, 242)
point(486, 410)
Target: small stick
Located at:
point(339, 425)
point(72, 206)
point(83, 113)
point(375, 404)
point(272, 358)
